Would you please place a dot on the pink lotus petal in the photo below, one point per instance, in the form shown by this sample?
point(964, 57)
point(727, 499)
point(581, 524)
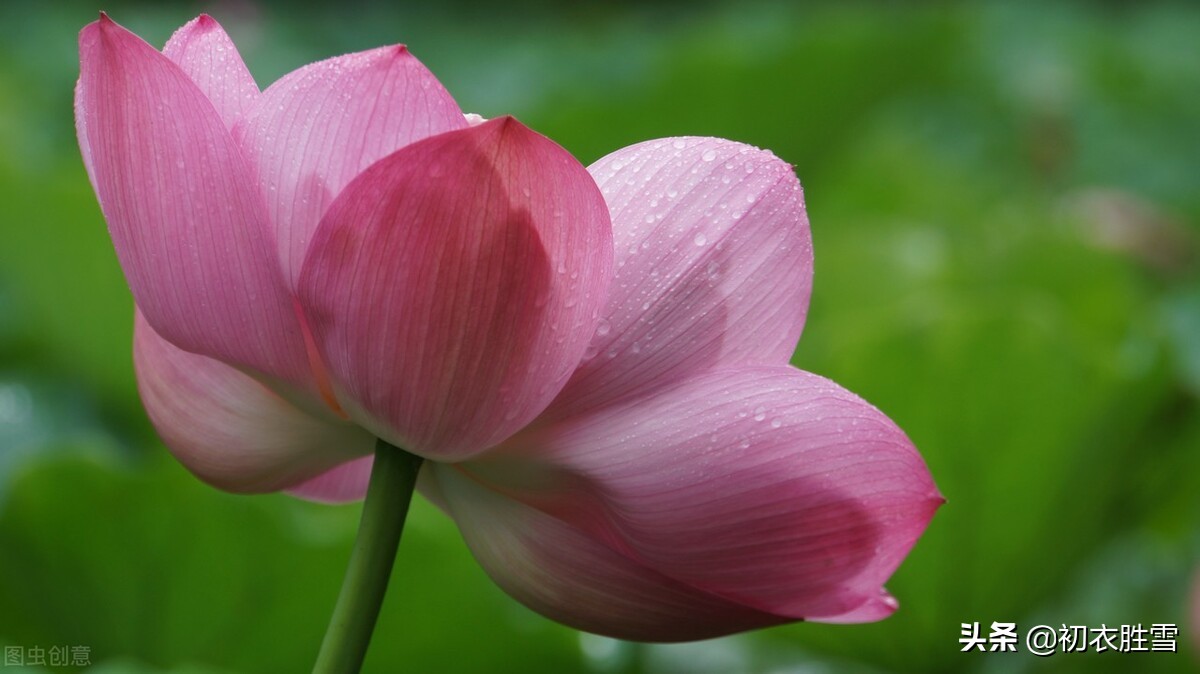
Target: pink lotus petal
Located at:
point(873, 610)
point(230, 430)
point(453, 286)
point(714, 266)
point(316, 128)
point(767, 486)
point(556, 570)
point(188, 226)
point(345, 483)
point(203, 50)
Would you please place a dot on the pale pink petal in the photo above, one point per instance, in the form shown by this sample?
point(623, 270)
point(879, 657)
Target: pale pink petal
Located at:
point(714, 266)
point(319, 126)
point(188, 227)
point(203, 50)
point(453, 286)
point(873, 610)
point(347, 482)
point(556, 570)
point(765, 485)
point(230, 430)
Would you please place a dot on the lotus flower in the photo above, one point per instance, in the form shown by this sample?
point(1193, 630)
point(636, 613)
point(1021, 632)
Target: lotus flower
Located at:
point(593, 362)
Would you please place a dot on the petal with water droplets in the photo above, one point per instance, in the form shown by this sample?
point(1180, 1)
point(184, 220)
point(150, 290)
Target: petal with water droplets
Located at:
point(318, 127)
point(713, 266)
point(767, 486)
point(204, 51)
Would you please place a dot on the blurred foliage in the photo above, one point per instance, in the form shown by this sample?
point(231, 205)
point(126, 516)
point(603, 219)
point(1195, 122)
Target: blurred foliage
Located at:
point(1005, 207)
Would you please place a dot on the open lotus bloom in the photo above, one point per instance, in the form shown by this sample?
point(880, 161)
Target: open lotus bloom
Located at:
point(592, 361)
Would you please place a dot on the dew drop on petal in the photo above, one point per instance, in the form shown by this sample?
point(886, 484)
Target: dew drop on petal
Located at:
point(700, 239)
point(709, 155)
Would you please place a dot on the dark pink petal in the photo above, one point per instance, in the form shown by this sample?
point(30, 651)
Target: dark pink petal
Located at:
point(558, 571)
point(203, 50)
point(230, 430)
point(188, 226)
point(319, 126)
point(714, 266)
point(453, 286)
point(767, 486)
point(347, 482)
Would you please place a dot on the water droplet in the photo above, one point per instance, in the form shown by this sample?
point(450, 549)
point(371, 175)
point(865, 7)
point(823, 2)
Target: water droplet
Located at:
point(760, 413)
point(603, 328)
point(776, 423)
point(709, 155)
point(678, 144)
point(700, 239)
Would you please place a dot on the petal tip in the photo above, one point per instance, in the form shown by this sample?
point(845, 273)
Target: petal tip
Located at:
point(503, 122)
point(874, 609)
point(502, 130)
point(99, 35)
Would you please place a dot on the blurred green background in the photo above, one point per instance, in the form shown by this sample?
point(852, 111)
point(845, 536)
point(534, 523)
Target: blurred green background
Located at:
point(1005, 202)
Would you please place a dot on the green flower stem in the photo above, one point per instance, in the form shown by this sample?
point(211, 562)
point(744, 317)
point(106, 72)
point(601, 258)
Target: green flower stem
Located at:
point(388, 494)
